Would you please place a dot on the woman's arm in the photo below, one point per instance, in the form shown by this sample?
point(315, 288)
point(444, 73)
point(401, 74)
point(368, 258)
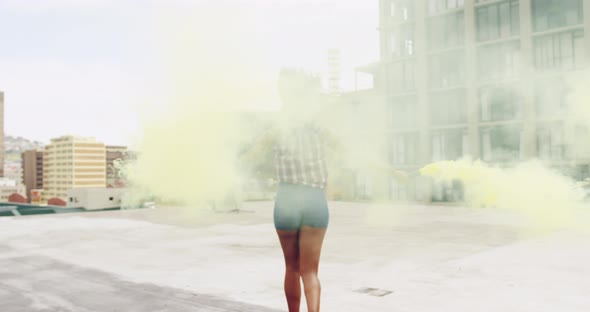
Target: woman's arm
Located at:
point(262, 141)
point(336, 145)
point(384, 167)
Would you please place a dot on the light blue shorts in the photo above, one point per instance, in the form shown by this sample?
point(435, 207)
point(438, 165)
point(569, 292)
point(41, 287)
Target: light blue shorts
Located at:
point(300, 205)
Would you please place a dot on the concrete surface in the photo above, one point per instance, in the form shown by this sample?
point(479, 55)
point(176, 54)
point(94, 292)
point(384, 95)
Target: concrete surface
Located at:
point(38, 283)
point(375, 258)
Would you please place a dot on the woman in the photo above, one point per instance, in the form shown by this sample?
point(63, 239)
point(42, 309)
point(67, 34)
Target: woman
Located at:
point(301, 211)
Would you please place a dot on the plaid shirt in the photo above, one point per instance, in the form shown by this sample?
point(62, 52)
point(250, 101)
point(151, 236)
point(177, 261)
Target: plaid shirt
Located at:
point(299, 157)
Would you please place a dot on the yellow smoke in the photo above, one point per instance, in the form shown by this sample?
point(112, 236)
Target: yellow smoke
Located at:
point(213, 69)
point(216, 66)
point(547, 197)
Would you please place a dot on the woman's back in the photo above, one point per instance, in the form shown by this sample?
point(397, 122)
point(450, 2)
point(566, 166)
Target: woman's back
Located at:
point(299, 156)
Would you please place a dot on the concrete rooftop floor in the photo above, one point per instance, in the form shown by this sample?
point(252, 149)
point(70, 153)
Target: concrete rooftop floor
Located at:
point(431, 258)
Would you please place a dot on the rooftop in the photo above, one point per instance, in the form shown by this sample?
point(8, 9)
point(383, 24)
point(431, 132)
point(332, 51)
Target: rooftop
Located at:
point(375, 258)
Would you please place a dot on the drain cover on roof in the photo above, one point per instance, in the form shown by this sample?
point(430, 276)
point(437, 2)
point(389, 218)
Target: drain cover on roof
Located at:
point(374, 291)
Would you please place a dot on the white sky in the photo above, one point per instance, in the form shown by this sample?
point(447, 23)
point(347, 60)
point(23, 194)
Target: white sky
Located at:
point(77, 66)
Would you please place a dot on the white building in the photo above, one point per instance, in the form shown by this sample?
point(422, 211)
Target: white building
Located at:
point(95, 198)
point(13, 171)
point(9, 187)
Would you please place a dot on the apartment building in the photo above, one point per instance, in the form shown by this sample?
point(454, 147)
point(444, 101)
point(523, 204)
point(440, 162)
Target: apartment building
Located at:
point(494, 80)
point(71, 162)
point(32, 164)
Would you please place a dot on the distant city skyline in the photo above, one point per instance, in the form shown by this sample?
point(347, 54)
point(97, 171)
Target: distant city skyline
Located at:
point(81, 67)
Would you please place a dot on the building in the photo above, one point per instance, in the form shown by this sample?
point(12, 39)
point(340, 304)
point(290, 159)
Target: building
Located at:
point(486, 79)
point(1, 134)
point(114, 153)
point(9, 187)
point(71, 162)
point(115, 178)
point(32, 164)
point(11, 183)
point(358, 120)
point(96, 198)
point(13, 171)
point(333, 74)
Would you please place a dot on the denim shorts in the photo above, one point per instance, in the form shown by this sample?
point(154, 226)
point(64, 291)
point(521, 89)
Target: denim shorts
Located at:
point(300, 205)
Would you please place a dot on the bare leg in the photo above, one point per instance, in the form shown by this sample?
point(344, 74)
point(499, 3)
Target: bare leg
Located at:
point(310, 248)
point(290, 244)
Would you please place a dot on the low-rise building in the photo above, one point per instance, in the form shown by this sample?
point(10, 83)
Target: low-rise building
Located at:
point(9, 187)
point(95, 198)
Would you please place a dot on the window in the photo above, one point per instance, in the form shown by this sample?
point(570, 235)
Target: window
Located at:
point(401, 77)
point(499, 61)
point(447, 108)
point(498, 20)
point(446, 31)
point(499, 103)
point(447, 69)
point(551, 142)
point(550, 14)
point(402, 41)
point(551, 98)
point(500, 144)
point(403, 112)
point(560, 51)
point(449, 144)
point(401, 10)
point(436, 6)
point(404, 149)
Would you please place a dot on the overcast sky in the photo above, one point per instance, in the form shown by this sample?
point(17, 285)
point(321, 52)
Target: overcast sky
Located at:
point(77, 66)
